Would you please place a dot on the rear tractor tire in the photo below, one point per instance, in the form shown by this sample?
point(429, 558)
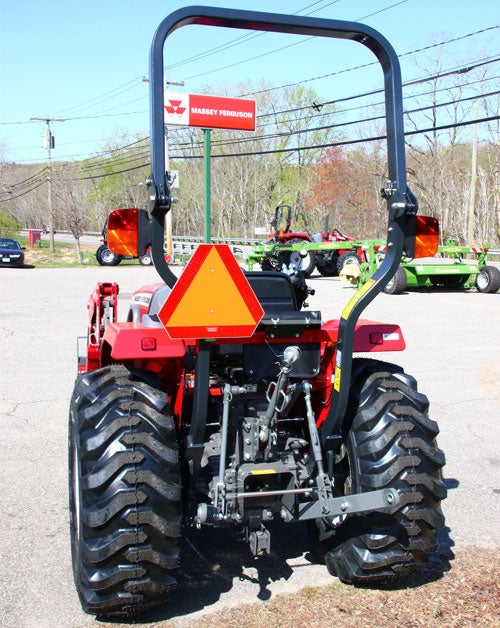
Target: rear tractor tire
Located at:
point(389, 443)
point(488, 279)
point(125, 493)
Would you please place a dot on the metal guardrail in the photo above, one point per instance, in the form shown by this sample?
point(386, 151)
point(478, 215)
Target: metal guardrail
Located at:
point(179, 243)
point(190, 239)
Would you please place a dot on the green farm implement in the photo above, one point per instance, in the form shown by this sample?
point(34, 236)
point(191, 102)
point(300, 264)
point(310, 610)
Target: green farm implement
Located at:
point(331, 256)
point(455, 267)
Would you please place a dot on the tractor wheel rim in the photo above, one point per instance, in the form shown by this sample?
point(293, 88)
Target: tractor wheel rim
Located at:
point(108, 256)
point(482, 280)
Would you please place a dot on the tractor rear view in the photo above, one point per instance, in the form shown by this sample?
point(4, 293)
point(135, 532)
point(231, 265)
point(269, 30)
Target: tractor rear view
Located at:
point(222, 401)
point(286, 249)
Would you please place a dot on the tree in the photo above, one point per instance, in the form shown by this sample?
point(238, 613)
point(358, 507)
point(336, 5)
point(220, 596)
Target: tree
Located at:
point(447, 169)
point(70, 195)
point(8, 225)
point(345, 189)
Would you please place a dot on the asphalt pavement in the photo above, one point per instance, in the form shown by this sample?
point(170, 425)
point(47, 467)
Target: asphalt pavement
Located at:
point(453, 349)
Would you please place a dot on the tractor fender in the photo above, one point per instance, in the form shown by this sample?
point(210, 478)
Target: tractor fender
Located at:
point(132, 341)
point(370, 336)
point(295, 235)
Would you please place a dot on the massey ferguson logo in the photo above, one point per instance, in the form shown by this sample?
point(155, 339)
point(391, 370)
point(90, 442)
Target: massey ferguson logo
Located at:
point(209, 112)
point(174, 107)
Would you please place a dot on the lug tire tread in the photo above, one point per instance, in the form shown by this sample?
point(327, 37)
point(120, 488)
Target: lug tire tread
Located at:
point(125, 504)
point(391, 443)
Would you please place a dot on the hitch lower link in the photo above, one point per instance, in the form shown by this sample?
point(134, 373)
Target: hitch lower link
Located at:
point(323, 504)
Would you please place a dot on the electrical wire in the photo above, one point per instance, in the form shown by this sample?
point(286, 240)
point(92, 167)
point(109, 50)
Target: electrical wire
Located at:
point(24, 193)
point(241, 39)
point(293, 44)
point(258, 138)
point(305, 148)
point(457, 70)
point(366, 65)
point(338, 143)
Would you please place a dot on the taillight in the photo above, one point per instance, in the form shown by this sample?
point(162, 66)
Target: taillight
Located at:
point(426, 236)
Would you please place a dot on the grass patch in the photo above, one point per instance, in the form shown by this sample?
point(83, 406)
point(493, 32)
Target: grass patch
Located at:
point(63, 256)
point(467, 595)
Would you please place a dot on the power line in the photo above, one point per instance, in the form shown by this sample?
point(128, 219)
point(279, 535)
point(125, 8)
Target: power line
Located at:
point(424, 79)
point(93, 165)
point(121, 89)
point(111, 174)
point(306, 148)
point(372, 63)
point(297, 149)
point(381, 102)
point(32, 189)
point(103, 97)
point(339, 125)
point(242, 38)
point(348, 123)
point(255, 93)
point(293, 44)
point(457, 70)
point(38, 174)
point(433, 77)
point(452, 40)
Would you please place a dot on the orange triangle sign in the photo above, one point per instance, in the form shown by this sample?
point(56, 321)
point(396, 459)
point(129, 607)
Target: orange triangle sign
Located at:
point(212, 298)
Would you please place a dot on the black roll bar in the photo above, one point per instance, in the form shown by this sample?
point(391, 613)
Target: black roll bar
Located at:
point(401, 204)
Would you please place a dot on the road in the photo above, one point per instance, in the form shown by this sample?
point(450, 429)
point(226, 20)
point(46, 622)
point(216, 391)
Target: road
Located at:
point(453, 348)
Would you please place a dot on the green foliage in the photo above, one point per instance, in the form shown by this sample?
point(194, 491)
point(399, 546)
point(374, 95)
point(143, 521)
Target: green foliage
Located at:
point(120, 176)
point(8, 225)
point(294, 157)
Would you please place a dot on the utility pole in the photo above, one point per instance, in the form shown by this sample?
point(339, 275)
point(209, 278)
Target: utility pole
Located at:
point(50, 144)
point(473, 181)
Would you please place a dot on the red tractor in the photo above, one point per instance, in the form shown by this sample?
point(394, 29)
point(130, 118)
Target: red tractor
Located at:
point(329, 262)
point(221, 402)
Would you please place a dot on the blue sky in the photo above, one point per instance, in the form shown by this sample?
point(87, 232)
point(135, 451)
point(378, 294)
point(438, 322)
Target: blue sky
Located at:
point(83, 62)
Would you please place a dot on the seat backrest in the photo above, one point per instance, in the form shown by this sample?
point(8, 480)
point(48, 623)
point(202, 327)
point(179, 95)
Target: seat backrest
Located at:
point(273, 289)
point(158, 299)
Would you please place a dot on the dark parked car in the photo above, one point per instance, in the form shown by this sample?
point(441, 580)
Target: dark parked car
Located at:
point(11, 253)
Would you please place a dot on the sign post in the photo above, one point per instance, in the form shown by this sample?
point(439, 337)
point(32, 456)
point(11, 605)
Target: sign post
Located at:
point(208, 112)
point(208, 184)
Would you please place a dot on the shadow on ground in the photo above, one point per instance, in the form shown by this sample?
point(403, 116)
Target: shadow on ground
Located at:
point(213, 559)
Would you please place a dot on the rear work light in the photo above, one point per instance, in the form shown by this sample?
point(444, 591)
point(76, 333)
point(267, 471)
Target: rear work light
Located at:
point(148, 343)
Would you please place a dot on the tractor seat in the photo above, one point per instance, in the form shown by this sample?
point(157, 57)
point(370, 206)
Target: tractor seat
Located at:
point(274, 290)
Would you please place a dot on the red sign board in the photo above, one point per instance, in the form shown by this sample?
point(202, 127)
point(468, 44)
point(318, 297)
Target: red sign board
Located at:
point(211, 299)
point(209, 112)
